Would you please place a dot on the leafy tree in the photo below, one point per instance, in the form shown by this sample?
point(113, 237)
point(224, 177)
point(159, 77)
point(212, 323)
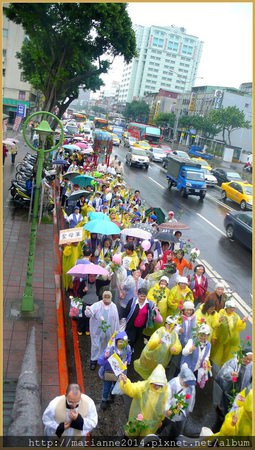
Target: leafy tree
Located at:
point(68, 45)
point(203, 125)
point(228, 120)
point(137, 111)
point(165, 120)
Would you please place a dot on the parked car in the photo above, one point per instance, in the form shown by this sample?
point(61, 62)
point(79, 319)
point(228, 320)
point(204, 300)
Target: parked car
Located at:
point(210, 179)
point(137, 157)
point(238, 226)
point(129, 141)
point(156, 154)
point(239, 192)
point(225, 175)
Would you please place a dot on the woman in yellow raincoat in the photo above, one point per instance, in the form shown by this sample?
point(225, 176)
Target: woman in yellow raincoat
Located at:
point(207, 313)
point(162, 345)
point(178, 295)
point(238, 422)
point(159, 294)
point(227, 335)
point(149, 401)
point(70, 254)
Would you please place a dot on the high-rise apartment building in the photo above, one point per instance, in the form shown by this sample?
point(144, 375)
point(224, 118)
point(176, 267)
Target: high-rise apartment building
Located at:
point(167, 59)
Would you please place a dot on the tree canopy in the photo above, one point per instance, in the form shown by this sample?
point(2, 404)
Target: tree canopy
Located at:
point(165, 120)
point(137, 111)
point(228, 120)
point(68, 45)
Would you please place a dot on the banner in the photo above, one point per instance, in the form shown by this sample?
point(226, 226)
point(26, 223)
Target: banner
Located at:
point(71, 235)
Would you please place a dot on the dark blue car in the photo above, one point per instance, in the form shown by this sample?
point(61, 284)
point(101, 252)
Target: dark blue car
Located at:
point(238, 226)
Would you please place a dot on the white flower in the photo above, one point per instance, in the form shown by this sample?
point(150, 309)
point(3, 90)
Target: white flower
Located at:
point(101, 318)
point(195, 251)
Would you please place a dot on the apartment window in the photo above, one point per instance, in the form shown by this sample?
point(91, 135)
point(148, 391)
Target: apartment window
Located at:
point(22, 77)
point(22, 95)
point(4, 52)
point(172, 46)
point(5, 33)
point(187, 49)
point(157, 42)
point(4, 72)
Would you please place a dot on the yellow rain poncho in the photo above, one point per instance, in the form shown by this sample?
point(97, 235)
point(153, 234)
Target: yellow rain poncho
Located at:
point(239, 422)
point(161, 346)
point(177, 296)
point(70, 255)
point(227, 337)
point(160, 296)
point(147, 400)
point(212, 320)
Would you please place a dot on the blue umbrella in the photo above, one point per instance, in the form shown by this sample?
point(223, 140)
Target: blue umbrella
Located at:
point(59, 161)
point(71, 147)
point(83, 180)
point(98, 216)
point(102, 227)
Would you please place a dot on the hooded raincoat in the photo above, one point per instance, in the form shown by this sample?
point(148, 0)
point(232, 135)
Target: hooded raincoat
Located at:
point(147, 400)
point(160, 296)
point(161, 346)
point(99, 338)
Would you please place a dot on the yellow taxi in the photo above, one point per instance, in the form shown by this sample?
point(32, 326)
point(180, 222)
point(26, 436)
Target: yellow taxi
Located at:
point(203, 162)
point(142, 144)
point(238, 191)
point(115, 139)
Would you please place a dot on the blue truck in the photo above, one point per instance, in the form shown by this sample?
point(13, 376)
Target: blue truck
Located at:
point(198, 152)
point(187, 176)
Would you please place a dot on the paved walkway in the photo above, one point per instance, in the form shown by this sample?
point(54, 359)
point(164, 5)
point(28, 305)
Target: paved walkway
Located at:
point(17, 326)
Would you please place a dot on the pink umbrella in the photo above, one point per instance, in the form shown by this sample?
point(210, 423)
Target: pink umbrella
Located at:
point(82, 145)
point(173, 226)
point(87, 269)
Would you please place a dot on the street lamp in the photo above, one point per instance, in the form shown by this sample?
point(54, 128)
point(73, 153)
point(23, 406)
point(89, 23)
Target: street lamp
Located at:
point(44, 130)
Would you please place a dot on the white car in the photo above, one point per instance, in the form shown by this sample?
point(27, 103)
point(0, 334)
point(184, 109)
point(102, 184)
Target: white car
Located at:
point(137, 157)
point(210, 179)
point(156, 154)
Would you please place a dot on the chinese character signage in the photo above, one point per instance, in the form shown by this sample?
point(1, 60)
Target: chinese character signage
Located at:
point(21, 110)
point(71, 235)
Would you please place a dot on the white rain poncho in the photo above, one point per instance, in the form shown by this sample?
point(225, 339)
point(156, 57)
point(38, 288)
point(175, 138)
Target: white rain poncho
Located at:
point(99, 338)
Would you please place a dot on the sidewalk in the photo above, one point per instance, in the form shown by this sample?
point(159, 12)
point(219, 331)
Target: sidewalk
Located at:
point(17, 326)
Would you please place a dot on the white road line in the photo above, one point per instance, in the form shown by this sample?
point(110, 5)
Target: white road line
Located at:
point(210, 223)
point(218, 201)
point(160, 185)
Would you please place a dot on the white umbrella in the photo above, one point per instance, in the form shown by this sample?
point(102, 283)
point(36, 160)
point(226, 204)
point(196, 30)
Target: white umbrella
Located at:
point(10, 143)
point(137, 233)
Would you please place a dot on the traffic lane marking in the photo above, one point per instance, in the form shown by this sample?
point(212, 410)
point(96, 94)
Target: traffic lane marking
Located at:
point(210, 223)
point(160, 185)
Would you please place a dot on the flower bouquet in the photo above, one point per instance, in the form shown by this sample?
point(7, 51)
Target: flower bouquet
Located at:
point(136, 425)
point(179, 405)
point(194, 254)
point(75, 307)
point(104, 325)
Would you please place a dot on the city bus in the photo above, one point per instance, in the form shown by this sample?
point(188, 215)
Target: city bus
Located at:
point(101, 123)
point(145, 132)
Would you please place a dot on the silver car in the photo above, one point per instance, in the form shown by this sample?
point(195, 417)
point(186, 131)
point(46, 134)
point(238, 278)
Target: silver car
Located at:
point(137, 157)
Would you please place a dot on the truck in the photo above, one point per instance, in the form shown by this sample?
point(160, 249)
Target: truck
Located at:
point(198, 152)
point(187, 176)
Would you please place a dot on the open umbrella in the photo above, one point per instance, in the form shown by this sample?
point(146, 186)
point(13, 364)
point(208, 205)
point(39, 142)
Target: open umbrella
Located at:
point(102, 227)
point(60, 161)
point(87, 269)
point(145, 226)
point(75, 195)
point(70, 175)
point(10, 143)
point(137, 233)
point(82, 180)
point(71, 147)
point(82, 145)
point(78, 138)
point(93, 215)
point(173, 226)
point(86, 151)
point(165, 236)
point(16, 141)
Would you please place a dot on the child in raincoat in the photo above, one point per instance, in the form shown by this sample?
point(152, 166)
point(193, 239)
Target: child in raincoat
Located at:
point(121, 347)
point(179, 294)
point(149, 401)
point(162, 345)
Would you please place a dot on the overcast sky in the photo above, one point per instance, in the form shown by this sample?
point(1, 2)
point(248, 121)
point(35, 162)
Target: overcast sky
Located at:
point(225, 29)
